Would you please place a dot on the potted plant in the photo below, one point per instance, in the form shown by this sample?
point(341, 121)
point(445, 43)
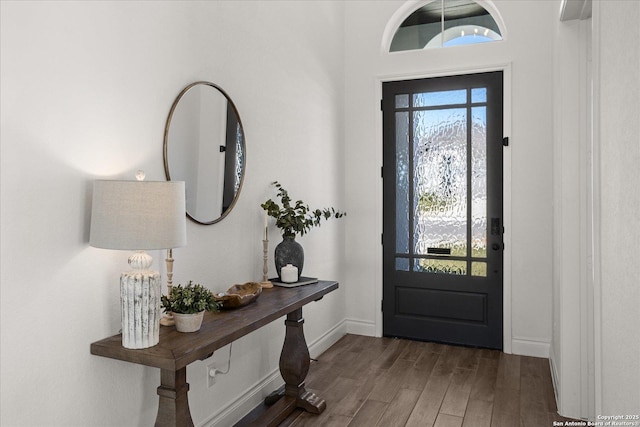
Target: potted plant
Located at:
point(188, 304)
point(294, 219)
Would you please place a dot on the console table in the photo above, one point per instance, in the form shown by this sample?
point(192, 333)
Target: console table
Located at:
point(176, 350)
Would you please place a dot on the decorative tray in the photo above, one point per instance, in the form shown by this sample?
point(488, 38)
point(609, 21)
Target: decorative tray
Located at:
point(301, 282)
point(239, 295)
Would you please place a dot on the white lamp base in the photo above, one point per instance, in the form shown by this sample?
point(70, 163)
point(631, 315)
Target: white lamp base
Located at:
point(140, 302)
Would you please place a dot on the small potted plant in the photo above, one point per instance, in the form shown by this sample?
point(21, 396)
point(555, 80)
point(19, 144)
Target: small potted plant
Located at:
point(294, 219)
point(188, 304)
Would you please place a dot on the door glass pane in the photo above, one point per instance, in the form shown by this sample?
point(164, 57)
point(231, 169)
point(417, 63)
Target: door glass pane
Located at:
point(448, 97)
point(479, 182)
point(479, 95)
point(440, 180)
point(402, 182)
point(441, 266)
point(479, 269)
point(402, 101)
point(402, 264)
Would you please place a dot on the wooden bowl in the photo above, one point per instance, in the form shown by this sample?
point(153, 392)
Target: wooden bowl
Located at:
point(239, 295)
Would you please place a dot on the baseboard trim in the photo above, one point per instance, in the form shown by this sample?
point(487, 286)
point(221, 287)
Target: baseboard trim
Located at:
point(524, 347)
point(251, 398)
point(326, 340)
point(255, 394)
point(360, 327)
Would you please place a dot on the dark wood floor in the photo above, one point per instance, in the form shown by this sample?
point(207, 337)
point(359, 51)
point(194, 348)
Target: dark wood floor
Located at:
point(388, 382)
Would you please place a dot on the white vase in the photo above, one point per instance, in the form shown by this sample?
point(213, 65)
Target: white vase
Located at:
point(188, 322)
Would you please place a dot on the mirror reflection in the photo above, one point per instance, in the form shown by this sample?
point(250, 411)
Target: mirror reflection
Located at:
point(204, 147)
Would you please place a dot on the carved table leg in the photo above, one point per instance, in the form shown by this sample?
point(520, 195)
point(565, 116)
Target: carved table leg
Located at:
point(294, 365)
point(173, 407)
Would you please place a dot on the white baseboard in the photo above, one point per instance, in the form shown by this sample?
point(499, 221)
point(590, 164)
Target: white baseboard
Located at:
point(255, 394)
point(524, 347)
point(245, 403)
point(329, 338)
point(360, 327)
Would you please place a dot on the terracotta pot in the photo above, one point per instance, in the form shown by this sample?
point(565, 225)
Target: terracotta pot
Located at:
point(188, 322)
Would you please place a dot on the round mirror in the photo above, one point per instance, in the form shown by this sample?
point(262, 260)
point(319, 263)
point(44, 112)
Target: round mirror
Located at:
point(204, 147)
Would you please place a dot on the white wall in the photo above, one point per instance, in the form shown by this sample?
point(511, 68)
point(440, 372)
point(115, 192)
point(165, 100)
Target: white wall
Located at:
point(527, 56)
point(86, 89)
point(617, 81)
point(595, 357)
point(570, 351)
point(594, 354)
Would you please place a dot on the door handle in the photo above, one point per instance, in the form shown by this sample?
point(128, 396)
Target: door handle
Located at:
point(495, 246)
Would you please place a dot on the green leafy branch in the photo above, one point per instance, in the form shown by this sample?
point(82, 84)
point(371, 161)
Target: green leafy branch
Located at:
point(296, 218)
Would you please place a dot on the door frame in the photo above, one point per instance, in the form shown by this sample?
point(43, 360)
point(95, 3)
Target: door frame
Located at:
point(506, 191)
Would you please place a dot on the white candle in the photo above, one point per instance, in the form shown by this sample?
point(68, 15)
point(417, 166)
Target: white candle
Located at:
point(265, 226)
point(289, 273)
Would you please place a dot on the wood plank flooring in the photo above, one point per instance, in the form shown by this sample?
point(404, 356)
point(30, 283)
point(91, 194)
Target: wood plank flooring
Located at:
point(389, 382)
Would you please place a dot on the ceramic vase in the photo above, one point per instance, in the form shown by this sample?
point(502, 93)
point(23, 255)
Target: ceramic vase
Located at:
point(188, 322)
point(140, 303)
point(289, 252)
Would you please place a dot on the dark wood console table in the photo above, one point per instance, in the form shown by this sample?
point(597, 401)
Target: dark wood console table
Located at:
point(176, 350)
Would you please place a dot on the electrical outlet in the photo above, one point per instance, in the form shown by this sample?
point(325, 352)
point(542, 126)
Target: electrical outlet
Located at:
point(211, 374)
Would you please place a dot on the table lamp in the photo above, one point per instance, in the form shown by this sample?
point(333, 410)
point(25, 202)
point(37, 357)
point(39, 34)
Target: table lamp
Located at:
point(139, 215)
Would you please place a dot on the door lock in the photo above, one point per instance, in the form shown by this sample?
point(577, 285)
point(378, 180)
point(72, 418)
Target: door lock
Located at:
point(495, 227)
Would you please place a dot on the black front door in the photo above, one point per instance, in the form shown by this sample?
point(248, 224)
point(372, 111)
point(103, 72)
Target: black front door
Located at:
point(442, 191)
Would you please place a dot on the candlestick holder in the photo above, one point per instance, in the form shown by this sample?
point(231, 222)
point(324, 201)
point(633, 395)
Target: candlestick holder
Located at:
point(265, 268)
point(168, 319)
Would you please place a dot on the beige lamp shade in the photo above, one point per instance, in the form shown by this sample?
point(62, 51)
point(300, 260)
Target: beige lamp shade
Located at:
point(138, 215)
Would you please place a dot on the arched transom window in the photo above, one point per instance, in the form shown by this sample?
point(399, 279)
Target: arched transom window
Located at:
point(444, 23)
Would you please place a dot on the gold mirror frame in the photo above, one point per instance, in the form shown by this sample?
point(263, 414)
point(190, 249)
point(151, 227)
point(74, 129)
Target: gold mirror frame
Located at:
point(216, 145)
